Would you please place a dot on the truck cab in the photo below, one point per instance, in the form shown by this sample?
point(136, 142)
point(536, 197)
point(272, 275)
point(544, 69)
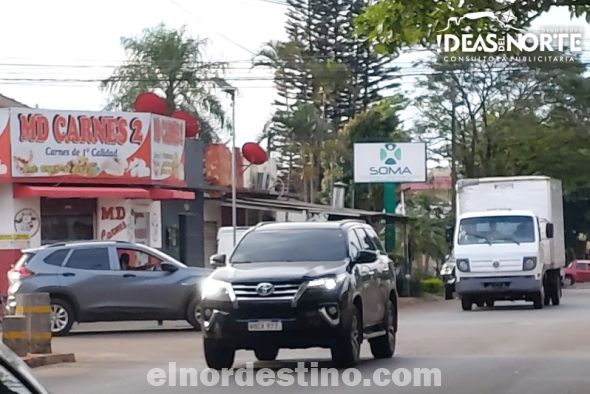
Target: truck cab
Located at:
point(505, 251)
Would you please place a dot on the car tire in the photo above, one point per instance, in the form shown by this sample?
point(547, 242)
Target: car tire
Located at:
point(192, 311)
point(490, 304)
point(384, 346)
point(347, 350)
point(569, 281)
point(62, 317)
point(266, 353)
point(217, 355)
point(466, 304)
point(448, 293)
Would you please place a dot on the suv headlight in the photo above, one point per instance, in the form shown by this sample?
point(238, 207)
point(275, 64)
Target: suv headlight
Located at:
point(213, 289)
point(326, 282)
point(529, 263)
point(463, 265)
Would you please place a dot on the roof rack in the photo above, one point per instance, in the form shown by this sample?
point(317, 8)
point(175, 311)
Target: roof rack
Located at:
point(55, 245)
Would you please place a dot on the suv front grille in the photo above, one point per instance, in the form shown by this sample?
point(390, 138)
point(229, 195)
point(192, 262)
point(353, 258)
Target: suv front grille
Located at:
point(282, 290)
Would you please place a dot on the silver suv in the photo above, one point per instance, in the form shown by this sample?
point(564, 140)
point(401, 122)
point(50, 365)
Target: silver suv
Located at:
point(107, 281)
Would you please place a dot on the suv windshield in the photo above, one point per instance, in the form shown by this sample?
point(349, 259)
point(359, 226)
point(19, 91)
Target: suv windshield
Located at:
point(497, 230)
point(291, 245)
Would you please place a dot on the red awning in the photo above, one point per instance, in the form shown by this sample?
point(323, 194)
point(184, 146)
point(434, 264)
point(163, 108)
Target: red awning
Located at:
point(26, 191)
point(171, 194)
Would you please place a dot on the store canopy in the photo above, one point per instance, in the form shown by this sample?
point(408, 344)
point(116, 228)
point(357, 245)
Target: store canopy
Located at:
point(171, 194)
point(28, 191)
point(299, 206)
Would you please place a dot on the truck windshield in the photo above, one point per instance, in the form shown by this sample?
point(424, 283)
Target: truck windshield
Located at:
point(497, 230)
point(267, 246)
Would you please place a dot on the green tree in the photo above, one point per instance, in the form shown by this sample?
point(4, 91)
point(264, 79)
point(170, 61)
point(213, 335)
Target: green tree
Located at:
point(396, 24)
point(379, 123)
point(427, 229)
point(171, 63)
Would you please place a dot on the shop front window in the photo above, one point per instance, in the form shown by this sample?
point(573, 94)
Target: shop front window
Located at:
point(57, 228)
point(67, 220)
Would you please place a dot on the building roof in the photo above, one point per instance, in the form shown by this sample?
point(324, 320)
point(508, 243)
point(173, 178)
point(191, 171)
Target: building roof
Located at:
point(7, 102)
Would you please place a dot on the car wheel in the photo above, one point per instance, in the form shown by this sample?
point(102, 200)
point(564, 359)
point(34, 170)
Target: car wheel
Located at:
point(384, 346)
point(217, 355)
point(346, 352)
point(62, 317)
point(490, 304)
point(192, 314)
point(569, 281)
point(448, 293)
point(266, 353)
point(466, 303)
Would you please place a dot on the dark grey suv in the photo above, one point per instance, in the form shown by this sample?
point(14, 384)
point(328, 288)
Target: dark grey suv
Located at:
point(107, 281)
point(301, 285)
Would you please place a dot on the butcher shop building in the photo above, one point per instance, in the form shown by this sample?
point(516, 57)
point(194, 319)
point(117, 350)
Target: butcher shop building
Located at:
point(70, 175)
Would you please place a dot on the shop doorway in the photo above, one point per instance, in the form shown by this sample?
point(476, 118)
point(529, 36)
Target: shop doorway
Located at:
point(64, 220)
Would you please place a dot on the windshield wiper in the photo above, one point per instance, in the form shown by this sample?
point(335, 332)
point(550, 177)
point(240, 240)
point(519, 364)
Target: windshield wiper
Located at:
point(509, 239)
point(241, 262)
point(481, 237)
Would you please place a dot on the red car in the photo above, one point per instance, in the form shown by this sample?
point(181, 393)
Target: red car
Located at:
point(577, 271)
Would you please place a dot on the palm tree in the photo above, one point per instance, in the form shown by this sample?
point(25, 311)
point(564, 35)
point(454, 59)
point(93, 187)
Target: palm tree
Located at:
point(170, 63)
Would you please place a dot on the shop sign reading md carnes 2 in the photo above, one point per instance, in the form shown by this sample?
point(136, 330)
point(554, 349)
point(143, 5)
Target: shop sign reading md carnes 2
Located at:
point(74, 146)
point(389, 162)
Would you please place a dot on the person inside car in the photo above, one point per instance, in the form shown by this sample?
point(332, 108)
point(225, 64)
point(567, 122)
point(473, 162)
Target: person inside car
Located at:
point(124, 261)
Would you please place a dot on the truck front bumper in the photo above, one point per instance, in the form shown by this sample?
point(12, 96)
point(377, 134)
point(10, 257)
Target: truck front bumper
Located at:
point(500, 287)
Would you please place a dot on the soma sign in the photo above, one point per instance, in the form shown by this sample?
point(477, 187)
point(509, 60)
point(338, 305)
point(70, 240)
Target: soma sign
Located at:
point(389, 162)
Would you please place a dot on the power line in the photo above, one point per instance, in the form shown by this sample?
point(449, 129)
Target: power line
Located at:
point(215, 31)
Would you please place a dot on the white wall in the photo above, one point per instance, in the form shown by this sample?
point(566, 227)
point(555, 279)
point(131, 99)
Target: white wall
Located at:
point(122, 228)
point(28, 210)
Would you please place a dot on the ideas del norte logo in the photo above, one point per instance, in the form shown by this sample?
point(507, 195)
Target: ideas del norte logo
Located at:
point(390, 155)
point(512, 40)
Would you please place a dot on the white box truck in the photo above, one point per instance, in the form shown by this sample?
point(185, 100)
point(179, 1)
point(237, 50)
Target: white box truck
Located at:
point(509, 240)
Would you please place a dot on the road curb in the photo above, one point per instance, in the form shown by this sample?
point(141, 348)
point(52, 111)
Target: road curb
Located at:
point(40, 360)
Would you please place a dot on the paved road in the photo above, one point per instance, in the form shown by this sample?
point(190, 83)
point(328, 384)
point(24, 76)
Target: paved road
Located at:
point(511, 349)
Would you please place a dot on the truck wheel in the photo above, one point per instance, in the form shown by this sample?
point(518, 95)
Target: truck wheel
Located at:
point(555, 288)
point(266, 353)
point(346, 352)
point(466, 303)
point(384, 346)
point(218, 356)
point(538, 300)
point(448, 293)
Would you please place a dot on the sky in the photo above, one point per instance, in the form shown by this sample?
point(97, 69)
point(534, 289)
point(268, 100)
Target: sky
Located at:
point(60, 39)
point(87, 35)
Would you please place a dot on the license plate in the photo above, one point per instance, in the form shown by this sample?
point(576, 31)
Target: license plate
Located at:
point(265, 325)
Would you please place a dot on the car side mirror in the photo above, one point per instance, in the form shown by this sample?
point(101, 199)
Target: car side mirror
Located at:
point(365, 256)
point(449, 234)
point(549, 230)
point(166, 267)
point(217, 260)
